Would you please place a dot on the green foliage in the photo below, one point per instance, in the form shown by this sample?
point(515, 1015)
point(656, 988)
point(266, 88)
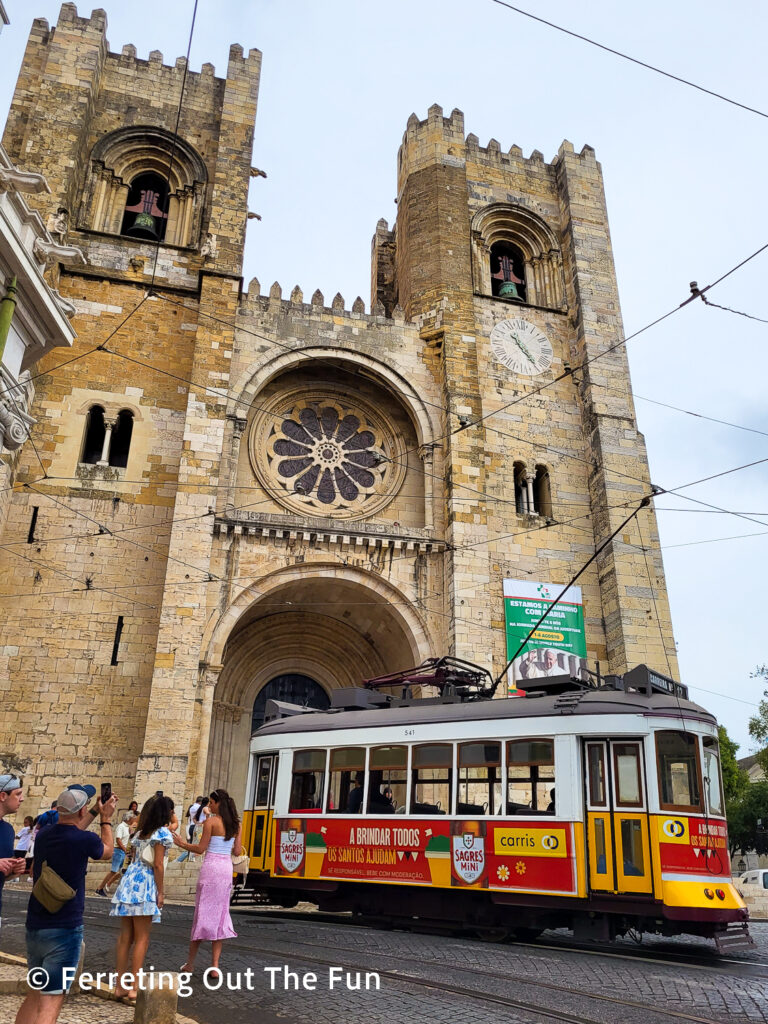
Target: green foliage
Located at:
point(743, 815)
point(758, 724)
point(735, 779)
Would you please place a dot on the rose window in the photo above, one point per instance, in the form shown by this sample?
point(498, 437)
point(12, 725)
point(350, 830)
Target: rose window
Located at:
point(328, 453)
point(322, 455)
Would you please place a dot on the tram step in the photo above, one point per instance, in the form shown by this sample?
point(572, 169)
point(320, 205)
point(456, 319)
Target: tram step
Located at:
point(735, 937)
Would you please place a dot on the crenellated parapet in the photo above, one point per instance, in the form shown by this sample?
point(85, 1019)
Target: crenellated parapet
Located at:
point(254, 302)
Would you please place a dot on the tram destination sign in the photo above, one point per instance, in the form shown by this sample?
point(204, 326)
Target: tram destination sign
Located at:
point(558, 647)
point(644, 678)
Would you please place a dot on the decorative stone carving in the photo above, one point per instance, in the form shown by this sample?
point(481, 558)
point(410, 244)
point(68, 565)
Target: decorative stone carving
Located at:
point(69, 309)
point(58, 225)
point(228, 712)
point(209, 250)
point(48, 253)
point(319, 450)
point(22, 181)
point(15, 422)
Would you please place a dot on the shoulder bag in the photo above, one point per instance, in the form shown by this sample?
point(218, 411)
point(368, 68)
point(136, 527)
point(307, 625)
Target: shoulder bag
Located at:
point(51, 891)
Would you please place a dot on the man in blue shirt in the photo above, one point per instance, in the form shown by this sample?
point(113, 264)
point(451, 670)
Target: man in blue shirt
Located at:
point(11, 798)
point(55, 938)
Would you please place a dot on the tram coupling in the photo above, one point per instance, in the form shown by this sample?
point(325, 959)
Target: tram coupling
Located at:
point(735, 937)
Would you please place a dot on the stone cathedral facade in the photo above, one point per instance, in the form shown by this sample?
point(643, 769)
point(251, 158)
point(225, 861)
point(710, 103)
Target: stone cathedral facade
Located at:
point(250, 491)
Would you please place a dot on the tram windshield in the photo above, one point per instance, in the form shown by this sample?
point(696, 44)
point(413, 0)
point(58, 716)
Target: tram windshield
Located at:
point(712, 785)
point(679, 770)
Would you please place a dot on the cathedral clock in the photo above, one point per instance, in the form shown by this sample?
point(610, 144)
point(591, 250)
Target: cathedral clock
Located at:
point(521, 346)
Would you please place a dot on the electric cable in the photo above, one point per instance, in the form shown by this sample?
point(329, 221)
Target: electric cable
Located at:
point(626, 56)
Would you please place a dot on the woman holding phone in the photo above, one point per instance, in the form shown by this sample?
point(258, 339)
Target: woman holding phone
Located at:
point(219, 840)
point(138, 900)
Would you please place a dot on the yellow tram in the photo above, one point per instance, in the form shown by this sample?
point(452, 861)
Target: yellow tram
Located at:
point(598, 809)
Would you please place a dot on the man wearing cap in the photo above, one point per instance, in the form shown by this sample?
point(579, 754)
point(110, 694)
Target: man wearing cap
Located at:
point(55, 932)
point(11, 797)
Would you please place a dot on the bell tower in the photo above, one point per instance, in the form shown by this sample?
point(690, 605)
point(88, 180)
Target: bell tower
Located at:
point(150, 225)
point(505, 263)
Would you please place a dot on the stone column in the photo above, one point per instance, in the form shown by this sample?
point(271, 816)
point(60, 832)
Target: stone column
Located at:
point(529, 476)
point(426, 454)
point(109, 425)
point(238, 429)
point(209, 677)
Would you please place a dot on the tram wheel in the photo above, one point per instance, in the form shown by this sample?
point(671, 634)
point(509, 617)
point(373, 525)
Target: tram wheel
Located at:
point(492, 934)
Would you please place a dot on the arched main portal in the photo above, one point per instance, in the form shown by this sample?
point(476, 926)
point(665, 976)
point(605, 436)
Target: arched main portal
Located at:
point(331, 624)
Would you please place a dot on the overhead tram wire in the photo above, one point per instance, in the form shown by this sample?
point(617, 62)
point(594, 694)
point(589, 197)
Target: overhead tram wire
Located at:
point(632, 60)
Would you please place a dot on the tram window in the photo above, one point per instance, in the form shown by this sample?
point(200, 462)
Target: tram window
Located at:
point(263, 778)
point(530, 776)
point(712, 785)
point(596, 771)
point(678, 767)
point(479, 779)
point(601, 858)
point(345, 792)
point(626, 765)
point(387, 770)
point(632, 846)
point(307, 781)
point(431, 779)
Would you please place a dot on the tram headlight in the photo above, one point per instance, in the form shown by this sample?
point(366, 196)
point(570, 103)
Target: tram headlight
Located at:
point(709, 894)
point(720, 894)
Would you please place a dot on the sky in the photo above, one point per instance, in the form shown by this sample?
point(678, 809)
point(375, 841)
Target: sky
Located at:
point(684, 176)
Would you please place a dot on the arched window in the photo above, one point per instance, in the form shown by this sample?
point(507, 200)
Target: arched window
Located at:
point(95, 432)
point(121, 439)
point(146, 209)
point(293, 689)
point(507, 271)
point(533, 492)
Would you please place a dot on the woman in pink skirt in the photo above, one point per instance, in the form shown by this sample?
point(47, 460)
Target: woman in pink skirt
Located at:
point(220, 839)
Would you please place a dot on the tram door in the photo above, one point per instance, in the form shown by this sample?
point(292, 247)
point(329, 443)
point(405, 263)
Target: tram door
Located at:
point(263, 802)
point(617, 817)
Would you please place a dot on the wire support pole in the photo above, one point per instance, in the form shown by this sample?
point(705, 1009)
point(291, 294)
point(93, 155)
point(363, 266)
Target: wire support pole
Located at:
point(643, 504)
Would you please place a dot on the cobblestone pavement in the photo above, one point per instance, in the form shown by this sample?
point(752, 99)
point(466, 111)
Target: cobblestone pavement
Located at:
point(426, 977)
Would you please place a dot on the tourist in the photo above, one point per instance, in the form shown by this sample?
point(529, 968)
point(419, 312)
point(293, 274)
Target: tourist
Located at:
point(138, 899)
point(201, 816)
point(219, 841)
point(192, 816)
point(11, 798)
point(24, 841)
point(55, 918)
point(122, 838)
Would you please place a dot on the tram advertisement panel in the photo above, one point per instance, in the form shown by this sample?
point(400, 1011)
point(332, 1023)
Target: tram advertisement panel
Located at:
point(559, 646)
point(477, 854)
point(693, 845)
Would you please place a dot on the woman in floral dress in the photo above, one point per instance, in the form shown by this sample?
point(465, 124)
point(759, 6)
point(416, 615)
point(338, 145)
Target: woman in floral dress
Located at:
point(220, 839)
point(138, 899)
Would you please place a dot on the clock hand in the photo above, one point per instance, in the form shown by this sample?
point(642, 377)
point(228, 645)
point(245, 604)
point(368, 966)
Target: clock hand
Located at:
point(523, 349)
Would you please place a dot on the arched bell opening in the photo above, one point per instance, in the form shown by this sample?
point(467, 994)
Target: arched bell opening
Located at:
point(507, 271)
point(146, 208)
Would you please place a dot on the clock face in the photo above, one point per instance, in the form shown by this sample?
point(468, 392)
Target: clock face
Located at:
point(521, 347)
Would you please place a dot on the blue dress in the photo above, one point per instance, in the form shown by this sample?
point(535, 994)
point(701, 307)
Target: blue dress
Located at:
point(136, 895)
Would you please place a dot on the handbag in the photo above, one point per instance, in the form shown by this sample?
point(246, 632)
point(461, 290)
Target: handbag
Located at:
point(148, 855)
point(51, 891)
point(240, 864)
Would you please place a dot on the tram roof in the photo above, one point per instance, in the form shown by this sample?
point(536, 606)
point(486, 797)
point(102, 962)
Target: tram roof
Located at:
point(589, 702)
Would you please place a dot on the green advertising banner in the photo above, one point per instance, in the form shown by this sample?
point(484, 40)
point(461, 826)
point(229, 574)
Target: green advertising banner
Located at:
point(559, 646)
